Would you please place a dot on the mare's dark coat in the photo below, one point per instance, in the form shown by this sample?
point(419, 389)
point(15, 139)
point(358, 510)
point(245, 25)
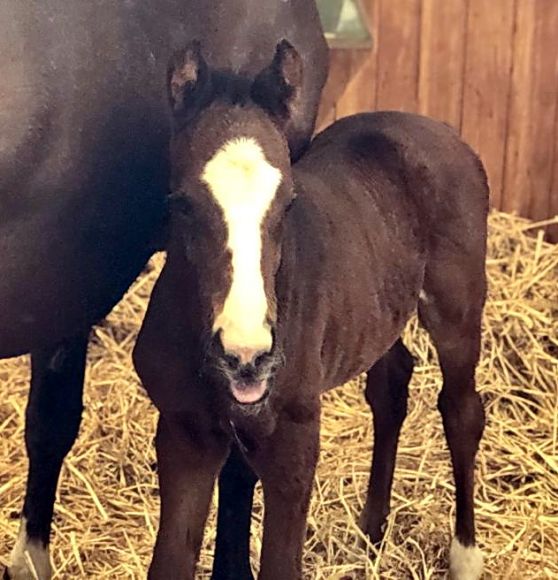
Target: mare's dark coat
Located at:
point(84, 132)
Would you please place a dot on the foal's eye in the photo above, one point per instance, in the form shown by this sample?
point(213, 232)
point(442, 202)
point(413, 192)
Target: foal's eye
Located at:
point(178, 203)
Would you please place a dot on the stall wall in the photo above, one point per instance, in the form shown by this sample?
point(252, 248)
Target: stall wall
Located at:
point(487, 67)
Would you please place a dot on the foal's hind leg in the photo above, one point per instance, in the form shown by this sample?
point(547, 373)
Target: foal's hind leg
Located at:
point(52, 422)
point(236, 492)
point(386, 392)
point(451, 311)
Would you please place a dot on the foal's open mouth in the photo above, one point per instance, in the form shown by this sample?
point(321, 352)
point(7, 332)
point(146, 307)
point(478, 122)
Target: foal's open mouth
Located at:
point(249, 392)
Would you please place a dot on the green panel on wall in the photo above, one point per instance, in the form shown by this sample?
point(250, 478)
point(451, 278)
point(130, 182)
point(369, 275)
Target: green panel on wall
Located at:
point(344, 24)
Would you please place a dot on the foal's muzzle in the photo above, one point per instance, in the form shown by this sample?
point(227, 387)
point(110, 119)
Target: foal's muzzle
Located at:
point(249, 378)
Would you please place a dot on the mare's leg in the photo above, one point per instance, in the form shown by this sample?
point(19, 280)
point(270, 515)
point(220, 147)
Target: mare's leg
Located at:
point(386, 392)
point(451, 311)
point(52, 423)
point(286, 463)
point(189, 456)
point(236, 492)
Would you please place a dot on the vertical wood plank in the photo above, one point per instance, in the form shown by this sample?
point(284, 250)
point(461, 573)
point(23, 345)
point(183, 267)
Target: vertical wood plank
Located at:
point(325, 118)
point(488, 62)
point(553, 197)
point(529, 156)
point(398, 54)
point(337, 82)
point(360, 93)
point(491, 67)
point(442, 57)
point(544, 103)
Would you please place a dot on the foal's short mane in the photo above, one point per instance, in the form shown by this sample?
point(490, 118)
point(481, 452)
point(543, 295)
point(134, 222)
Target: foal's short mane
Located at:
point(231, 88)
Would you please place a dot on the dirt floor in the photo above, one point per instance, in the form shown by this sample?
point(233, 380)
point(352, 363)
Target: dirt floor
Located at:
point(107, 508)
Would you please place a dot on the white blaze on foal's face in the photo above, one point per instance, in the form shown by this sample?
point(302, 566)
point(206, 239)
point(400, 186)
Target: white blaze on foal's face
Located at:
point(244, 185)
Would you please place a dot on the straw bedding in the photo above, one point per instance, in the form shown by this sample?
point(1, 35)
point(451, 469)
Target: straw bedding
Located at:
point(107, 508)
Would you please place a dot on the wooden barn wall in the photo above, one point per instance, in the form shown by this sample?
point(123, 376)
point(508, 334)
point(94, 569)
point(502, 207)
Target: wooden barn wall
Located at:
point(487, 67)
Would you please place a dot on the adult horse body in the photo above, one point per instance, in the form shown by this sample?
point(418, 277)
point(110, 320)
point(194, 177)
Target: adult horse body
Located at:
point(84, 130)
point(281, 284)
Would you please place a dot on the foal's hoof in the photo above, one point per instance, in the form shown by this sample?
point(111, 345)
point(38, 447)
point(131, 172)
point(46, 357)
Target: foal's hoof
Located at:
point(19, 574)
point(22, 574)
point(37, 569)
point(466, 562)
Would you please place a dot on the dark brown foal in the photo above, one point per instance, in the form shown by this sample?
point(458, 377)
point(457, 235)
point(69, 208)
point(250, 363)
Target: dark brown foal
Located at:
point(283, 282)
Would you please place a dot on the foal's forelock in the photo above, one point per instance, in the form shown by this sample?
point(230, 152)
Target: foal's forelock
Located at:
point(244, 184)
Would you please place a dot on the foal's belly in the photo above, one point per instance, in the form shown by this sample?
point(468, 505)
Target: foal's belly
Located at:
point(373, 290)
point(354, 342)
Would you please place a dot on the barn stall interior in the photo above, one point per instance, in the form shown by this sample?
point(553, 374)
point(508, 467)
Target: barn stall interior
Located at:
point(491, 70)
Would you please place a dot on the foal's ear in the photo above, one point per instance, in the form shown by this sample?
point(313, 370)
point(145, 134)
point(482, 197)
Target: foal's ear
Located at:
point(278, 87)
point(188, 81)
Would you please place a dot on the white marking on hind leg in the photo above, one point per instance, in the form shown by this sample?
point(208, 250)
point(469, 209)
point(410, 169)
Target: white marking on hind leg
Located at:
point(30, 559)
point(466, 562)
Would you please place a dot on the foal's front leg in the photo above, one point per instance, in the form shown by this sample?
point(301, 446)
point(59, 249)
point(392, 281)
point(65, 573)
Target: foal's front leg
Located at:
point(286, 463)
point(190, 455)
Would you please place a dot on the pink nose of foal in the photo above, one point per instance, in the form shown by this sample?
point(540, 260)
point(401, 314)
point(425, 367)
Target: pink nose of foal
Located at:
point(248, 380)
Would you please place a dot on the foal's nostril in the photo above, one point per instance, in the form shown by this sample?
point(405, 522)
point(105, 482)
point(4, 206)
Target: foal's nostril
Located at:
point(232, 361)
point(260, 360)
point(247, 367)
